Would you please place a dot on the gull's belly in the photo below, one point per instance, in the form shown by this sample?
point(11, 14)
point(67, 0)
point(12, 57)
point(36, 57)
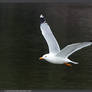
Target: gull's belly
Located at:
point(58, 60)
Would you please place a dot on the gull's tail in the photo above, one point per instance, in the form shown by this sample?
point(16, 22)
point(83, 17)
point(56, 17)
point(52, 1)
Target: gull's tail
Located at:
point(42, 19)
point(74, 62)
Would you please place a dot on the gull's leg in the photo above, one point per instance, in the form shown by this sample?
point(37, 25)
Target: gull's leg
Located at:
point(67, 64)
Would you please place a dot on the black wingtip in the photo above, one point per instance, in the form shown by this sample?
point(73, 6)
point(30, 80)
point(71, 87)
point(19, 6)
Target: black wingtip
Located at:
point(90, 40)
point(42, 19)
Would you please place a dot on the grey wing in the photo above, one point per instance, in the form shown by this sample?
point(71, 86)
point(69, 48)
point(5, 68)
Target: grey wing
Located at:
point(68, 50)
point(49, 37)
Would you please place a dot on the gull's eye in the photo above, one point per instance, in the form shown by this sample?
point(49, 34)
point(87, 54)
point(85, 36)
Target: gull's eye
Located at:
point(45, 56)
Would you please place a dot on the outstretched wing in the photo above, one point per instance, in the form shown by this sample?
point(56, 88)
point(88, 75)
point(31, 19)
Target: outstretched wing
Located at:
point(68, 50)
point(48, 35)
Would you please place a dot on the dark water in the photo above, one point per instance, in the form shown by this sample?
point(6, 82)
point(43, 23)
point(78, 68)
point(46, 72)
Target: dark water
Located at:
point(21, 45)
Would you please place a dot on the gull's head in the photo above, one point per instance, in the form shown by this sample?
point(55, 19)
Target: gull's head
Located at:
point(44, 57)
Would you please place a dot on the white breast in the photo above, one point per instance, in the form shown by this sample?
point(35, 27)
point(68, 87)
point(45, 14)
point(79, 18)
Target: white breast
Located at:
point(57, 60)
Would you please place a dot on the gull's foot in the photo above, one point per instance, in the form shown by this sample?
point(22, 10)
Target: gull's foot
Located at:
point(67, 64)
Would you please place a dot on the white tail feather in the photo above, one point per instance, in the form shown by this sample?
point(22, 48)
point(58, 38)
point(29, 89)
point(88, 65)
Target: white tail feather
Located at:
point(75, 62)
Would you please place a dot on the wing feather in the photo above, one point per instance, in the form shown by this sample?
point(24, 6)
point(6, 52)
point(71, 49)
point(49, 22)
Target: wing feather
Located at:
point(49, 37)
point(70, 49)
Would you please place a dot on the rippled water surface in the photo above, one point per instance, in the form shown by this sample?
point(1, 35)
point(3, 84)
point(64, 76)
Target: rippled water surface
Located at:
point(21, 45)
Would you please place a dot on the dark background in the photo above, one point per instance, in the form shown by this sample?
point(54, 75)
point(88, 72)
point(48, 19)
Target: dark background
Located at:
point(21, 45)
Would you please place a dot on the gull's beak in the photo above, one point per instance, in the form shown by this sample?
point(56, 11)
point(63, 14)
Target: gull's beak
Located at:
point(41, 58)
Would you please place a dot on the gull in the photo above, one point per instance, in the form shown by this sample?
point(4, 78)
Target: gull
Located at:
point(55, 55)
